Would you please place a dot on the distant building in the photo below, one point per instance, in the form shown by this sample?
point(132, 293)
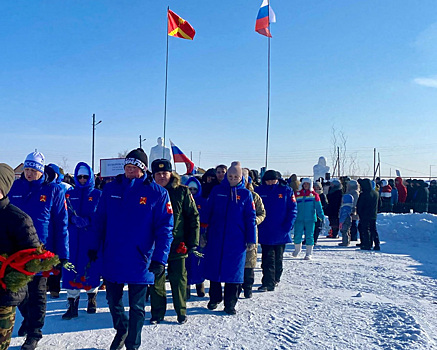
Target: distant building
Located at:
point(19, 170)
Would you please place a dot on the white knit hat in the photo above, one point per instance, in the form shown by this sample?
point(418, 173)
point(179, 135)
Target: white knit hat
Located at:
point(83, 171)
point(35, 160)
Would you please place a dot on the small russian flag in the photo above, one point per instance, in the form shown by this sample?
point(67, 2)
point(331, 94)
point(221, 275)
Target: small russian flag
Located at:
point(264, 18)
point(180, 157)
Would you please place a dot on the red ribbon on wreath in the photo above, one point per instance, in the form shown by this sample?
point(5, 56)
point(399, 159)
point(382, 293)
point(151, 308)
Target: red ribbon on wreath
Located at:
point(18, 261)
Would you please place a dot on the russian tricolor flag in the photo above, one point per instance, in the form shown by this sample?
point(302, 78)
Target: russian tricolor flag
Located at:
point(264, 18)
point(180, 157)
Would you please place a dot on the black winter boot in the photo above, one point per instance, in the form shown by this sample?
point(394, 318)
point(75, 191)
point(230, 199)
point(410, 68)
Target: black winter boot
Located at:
point(118, 342)
point(92, 303)
point(73, 309)
point(30, 343)
point(200, 288)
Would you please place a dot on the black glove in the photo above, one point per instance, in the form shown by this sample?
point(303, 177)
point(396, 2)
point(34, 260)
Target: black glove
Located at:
point(157, 269)
point(92, 255)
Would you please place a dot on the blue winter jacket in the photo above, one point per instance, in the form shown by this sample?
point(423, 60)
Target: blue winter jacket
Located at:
point(82, 201)
point(346, 207)
point(195, 264)
point(281, 211)
point(231, 226)
point(44, 202)
point(134, 220)
point(309, 207)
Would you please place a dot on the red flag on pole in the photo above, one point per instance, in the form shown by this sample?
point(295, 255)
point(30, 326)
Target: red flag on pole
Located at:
point(179, 27)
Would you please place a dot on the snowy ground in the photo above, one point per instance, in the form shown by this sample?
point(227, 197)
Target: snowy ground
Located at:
point(344, 298)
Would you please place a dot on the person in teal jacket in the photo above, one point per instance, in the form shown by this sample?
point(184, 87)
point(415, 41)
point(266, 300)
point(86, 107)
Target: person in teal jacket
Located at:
point(309, 209)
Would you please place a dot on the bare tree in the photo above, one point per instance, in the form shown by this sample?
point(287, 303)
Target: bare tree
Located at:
point(64, 165)
point(354, 167)
point(338, 151)
point(123, 154)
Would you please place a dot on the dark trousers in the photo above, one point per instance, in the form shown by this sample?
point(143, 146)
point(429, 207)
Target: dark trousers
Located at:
point(271, 264)
point(134, 324)
point(249, 278)
point(230, 295)
point(354, 230)
point(334, 222)
point(317, 229)
point(177, 275)
point(54, 282)
point(33, 307)
point(368, 233)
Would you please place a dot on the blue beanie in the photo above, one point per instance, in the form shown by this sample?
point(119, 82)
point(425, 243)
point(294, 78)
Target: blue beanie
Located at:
point(35, 160)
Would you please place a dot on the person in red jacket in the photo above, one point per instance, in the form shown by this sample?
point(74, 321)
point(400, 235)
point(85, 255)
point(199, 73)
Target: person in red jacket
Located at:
point(402, 196)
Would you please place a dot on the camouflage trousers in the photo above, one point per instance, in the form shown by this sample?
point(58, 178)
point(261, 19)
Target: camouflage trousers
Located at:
point(7, 320)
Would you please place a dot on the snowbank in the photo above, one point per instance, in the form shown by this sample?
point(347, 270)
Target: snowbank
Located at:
point(408, 227)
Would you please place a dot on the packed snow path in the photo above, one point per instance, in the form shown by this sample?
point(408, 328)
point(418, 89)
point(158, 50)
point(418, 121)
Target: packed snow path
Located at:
point(344, 298)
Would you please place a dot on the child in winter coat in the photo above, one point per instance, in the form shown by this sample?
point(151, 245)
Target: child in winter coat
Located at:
point(345, 219)
point(309, 209)
point(353, 188)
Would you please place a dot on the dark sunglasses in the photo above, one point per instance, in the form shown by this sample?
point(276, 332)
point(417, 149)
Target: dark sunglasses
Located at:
point(86, 177)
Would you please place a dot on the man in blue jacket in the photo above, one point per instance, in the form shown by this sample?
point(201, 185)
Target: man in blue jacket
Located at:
point(134, 220)
point(231, 227)
point(43, 200)
point(275, 231)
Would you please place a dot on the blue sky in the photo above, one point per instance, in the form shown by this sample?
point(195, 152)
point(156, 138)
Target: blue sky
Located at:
point(366, 68)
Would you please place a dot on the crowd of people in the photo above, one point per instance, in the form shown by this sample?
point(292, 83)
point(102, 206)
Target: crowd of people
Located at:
point(149, 225)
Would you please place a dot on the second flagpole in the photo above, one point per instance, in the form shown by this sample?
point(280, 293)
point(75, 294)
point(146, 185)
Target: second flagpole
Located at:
point(268, 102)
point(165, 94)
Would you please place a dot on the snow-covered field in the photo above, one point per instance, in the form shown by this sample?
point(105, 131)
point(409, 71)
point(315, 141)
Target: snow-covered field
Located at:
point(344, 298)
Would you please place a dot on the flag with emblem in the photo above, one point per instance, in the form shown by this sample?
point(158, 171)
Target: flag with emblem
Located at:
point(179, 27)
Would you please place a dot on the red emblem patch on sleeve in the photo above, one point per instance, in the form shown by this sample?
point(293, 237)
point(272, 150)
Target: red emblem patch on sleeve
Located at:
point(67, 195)
point(280, 196)
point(238, 197)
point(43, 198)
point(293, 198)
point(65, 205)
point(143, 200)
point(90, 199)
point(169, 208)
point(253, 205)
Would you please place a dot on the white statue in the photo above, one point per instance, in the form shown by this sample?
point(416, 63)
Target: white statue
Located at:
point(320, 169)
point(159, 152)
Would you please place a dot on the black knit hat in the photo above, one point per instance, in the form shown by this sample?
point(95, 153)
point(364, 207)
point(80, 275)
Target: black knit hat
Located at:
point(271, 175)
point(138, 158)
point(161, 165)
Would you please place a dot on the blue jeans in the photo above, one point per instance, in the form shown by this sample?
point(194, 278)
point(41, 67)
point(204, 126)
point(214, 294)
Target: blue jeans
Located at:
point(137, 301)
